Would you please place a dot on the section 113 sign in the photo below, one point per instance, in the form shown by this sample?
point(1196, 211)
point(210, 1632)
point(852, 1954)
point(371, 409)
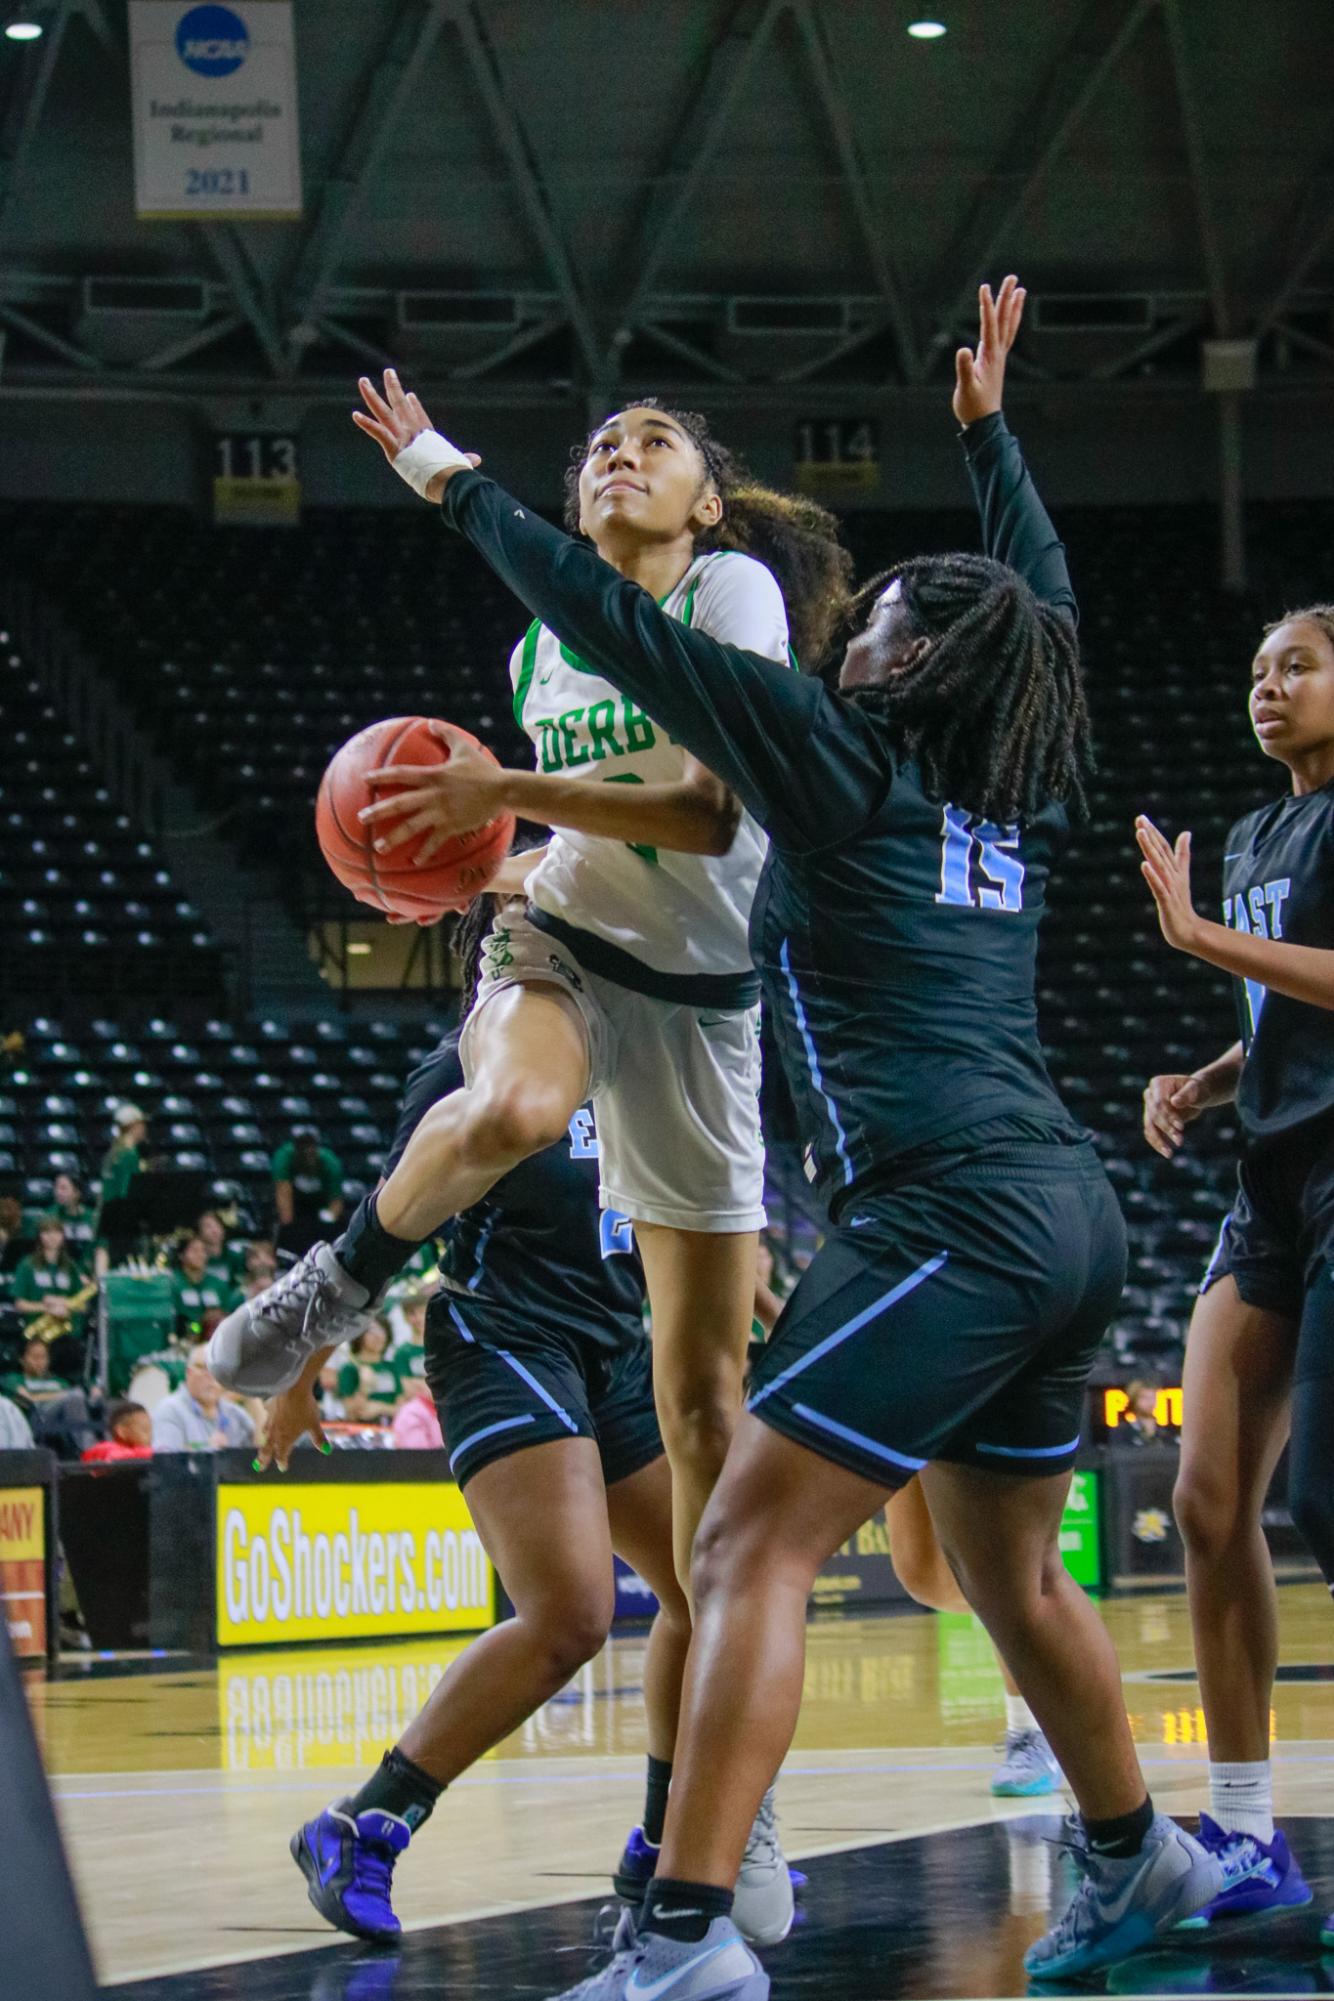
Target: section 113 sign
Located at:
point(255, 479)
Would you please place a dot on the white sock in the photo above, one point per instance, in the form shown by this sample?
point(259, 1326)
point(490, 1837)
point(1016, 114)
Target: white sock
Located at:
point(1241, 1798)
point(1018, 1715)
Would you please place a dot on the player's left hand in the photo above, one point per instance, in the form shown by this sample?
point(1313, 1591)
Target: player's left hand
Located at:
point(1166, 869)
point(394, 419)
point(979, 372)
point(441, 800)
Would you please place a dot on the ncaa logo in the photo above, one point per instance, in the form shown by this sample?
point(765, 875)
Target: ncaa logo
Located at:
point(212, 41)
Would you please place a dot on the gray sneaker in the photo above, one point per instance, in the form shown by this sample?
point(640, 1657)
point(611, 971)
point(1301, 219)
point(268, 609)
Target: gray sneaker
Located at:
point(719, 1967)
point(1027, 1768)
point(264, 1345)
point(1121, 1904)
point(763, 1907)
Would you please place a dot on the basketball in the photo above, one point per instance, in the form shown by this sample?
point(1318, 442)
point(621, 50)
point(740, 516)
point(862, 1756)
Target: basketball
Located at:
point(392, 882)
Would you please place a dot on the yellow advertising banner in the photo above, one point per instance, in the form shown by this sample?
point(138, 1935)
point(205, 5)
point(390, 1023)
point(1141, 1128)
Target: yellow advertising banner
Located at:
point(348, 1561)
point(23, 1568)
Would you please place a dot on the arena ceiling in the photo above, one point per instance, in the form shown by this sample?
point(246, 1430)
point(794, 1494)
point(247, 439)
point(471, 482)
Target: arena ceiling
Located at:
point(775, 195)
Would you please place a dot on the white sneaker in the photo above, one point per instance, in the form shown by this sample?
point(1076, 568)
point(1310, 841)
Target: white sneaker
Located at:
point(763, 1908)
point(263, 1346)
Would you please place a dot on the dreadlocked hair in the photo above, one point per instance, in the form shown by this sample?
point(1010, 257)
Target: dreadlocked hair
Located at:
point(993, 710)
point(1314, 614)
point(471, 927)
point(794, 537)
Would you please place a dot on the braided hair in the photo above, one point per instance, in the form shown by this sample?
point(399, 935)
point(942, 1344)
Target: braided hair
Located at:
point(794, 537)
point(993, 710)
point(1321, 615)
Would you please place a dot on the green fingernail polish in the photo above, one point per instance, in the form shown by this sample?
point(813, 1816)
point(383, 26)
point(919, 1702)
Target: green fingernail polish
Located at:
point(325, 1446)
point(255, 1466)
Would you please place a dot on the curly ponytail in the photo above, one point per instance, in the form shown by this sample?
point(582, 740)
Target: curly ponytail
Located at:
point(993, 710)
point(791, 535)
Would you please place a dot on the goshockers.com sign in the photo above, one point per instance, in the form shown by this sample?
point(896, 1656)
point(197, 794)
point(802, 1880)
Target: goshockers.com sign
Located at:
point(305, 1563)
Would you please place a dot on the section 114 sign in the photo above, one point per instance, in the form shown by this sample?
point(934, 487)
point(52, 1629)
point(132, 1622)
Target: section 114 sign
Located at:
point(214, 104)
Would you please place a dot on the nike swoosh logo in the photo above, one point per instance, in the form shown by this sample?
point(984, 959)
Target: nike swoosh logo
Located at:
point(635, 1990)
point(1112, 1912)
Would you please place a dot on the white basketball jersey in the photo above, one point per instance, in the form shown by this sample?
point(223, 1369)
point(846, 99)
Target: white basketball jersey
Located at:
point(679, 914)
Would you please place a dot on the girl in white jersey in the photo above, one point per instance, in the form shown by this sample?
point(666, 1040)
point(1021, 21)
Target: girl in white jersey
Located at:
point(630, 978)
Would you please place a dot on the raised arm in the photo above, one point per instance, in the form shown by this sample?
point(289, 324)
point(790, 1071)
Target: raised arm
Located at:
point(1016, 528)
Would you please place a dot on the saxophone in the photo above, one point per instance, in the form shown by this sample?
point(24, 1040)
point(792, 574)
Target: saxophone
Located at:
point(49, 1327)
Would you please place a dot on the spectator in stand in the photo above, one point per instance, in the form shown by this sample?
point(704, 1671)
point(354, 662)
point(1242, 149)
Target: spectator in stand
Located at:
point(15, 1434)
point(198, 1417)
point(11, 1232)
point(331, 1408)
point(368, 1385)
point(307, 1190)
point(416, 1427)
point(80, 1222)
point(57, 1413)
point(225, 1259)
point(46, 1281)
point(124, 1158)
point(197, 1294)
point(260, 1266)
point(129, 1434)
point(407, 1357)
point(1140, 1426)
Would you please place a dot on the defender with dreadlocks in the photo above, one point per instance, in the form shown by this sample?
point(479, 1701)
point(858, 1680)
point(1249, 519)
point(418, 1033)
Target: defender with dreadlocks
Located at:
point(1260, 1353)
point(976, 1252)
point(541, 1371)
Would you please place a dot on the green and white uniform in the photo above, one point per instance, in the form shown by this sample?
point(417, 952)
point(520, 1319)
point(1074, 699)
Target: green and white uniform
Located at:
point(651, 945)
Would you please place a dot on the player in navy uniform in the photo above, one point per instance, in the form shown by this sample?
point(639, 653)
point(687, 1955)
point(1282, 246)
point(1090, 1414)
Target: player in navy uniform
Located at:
point(1260, 1356)
point(976, 1251)
point(541, 1370)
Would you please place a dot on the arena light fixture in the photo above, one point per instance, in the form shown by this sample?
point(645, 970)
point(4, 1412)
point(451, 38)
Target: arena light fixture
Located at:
point(927, 31)
point(22, 28)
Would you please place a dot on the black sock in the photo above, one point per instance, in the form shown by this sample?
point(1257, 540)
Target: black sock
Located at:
point(655, 1799)
point(683, 1911)
point(1123, 1837)
point(400, 1787)
point(368, 1252)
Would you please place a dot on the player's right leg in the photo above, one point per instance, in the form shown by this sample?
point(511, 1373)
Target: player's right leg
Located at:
point(541, 1513)
point(527, 1058)
point(1029, 1767)
point(1236, 1398)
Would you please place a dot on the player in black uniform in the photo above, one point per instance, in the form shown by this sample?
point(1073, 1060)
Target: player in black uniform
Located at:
point(541, 1370)
point(976, 1251)
point(1260, 1356)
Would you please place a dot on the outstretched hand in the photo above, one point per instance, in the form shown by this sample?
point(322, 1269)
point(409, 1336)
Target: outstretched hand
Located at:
point(979, 372)
point(394, 419)
point(1166, 869)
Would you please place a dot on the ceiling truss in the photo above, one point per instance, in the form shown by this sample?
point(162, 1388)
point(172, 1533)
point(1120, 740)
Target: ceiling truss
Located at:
point(887, 337)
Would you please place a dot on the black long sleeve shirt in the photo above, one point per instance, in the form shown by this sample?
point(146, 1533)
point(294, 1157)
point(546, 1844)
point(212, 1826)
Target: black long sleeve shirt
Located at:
point(895, 936)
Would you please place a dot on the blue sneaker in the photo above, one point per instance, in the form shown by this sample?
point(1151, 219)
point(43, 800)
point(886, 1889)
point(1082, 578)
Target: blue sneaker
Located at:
point(348, 1863)
point(1278, 1886)
point(1028, 1768)
point(636, 1868)
point(719, 1967)
point(1122, 1903)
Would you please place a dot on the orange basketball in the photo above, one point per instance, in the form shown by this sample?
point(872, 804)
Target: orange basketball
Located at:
point(392, 882)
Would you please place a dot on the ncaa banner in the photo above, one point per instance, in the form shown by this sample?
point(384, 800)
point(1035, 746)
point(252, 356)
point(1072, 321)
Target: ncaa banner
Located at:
point(214, 105)
point(346, 1561)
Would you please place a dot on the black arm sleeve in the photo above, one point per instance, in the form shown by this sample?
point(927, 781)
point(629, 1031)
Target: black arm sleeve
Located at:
point(805, 763)
point(1016, 527)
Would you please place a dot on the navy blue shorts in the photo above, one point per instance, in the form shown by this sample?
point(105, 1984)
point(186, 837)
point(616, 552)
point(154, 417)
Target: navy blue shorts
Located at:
point(1277, 1240)
point(954, 1318)
point(499, 1390)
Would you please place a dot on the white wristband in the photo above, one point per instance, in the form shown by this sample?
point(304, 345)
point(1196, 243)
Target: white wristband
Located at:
point(428, 454)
